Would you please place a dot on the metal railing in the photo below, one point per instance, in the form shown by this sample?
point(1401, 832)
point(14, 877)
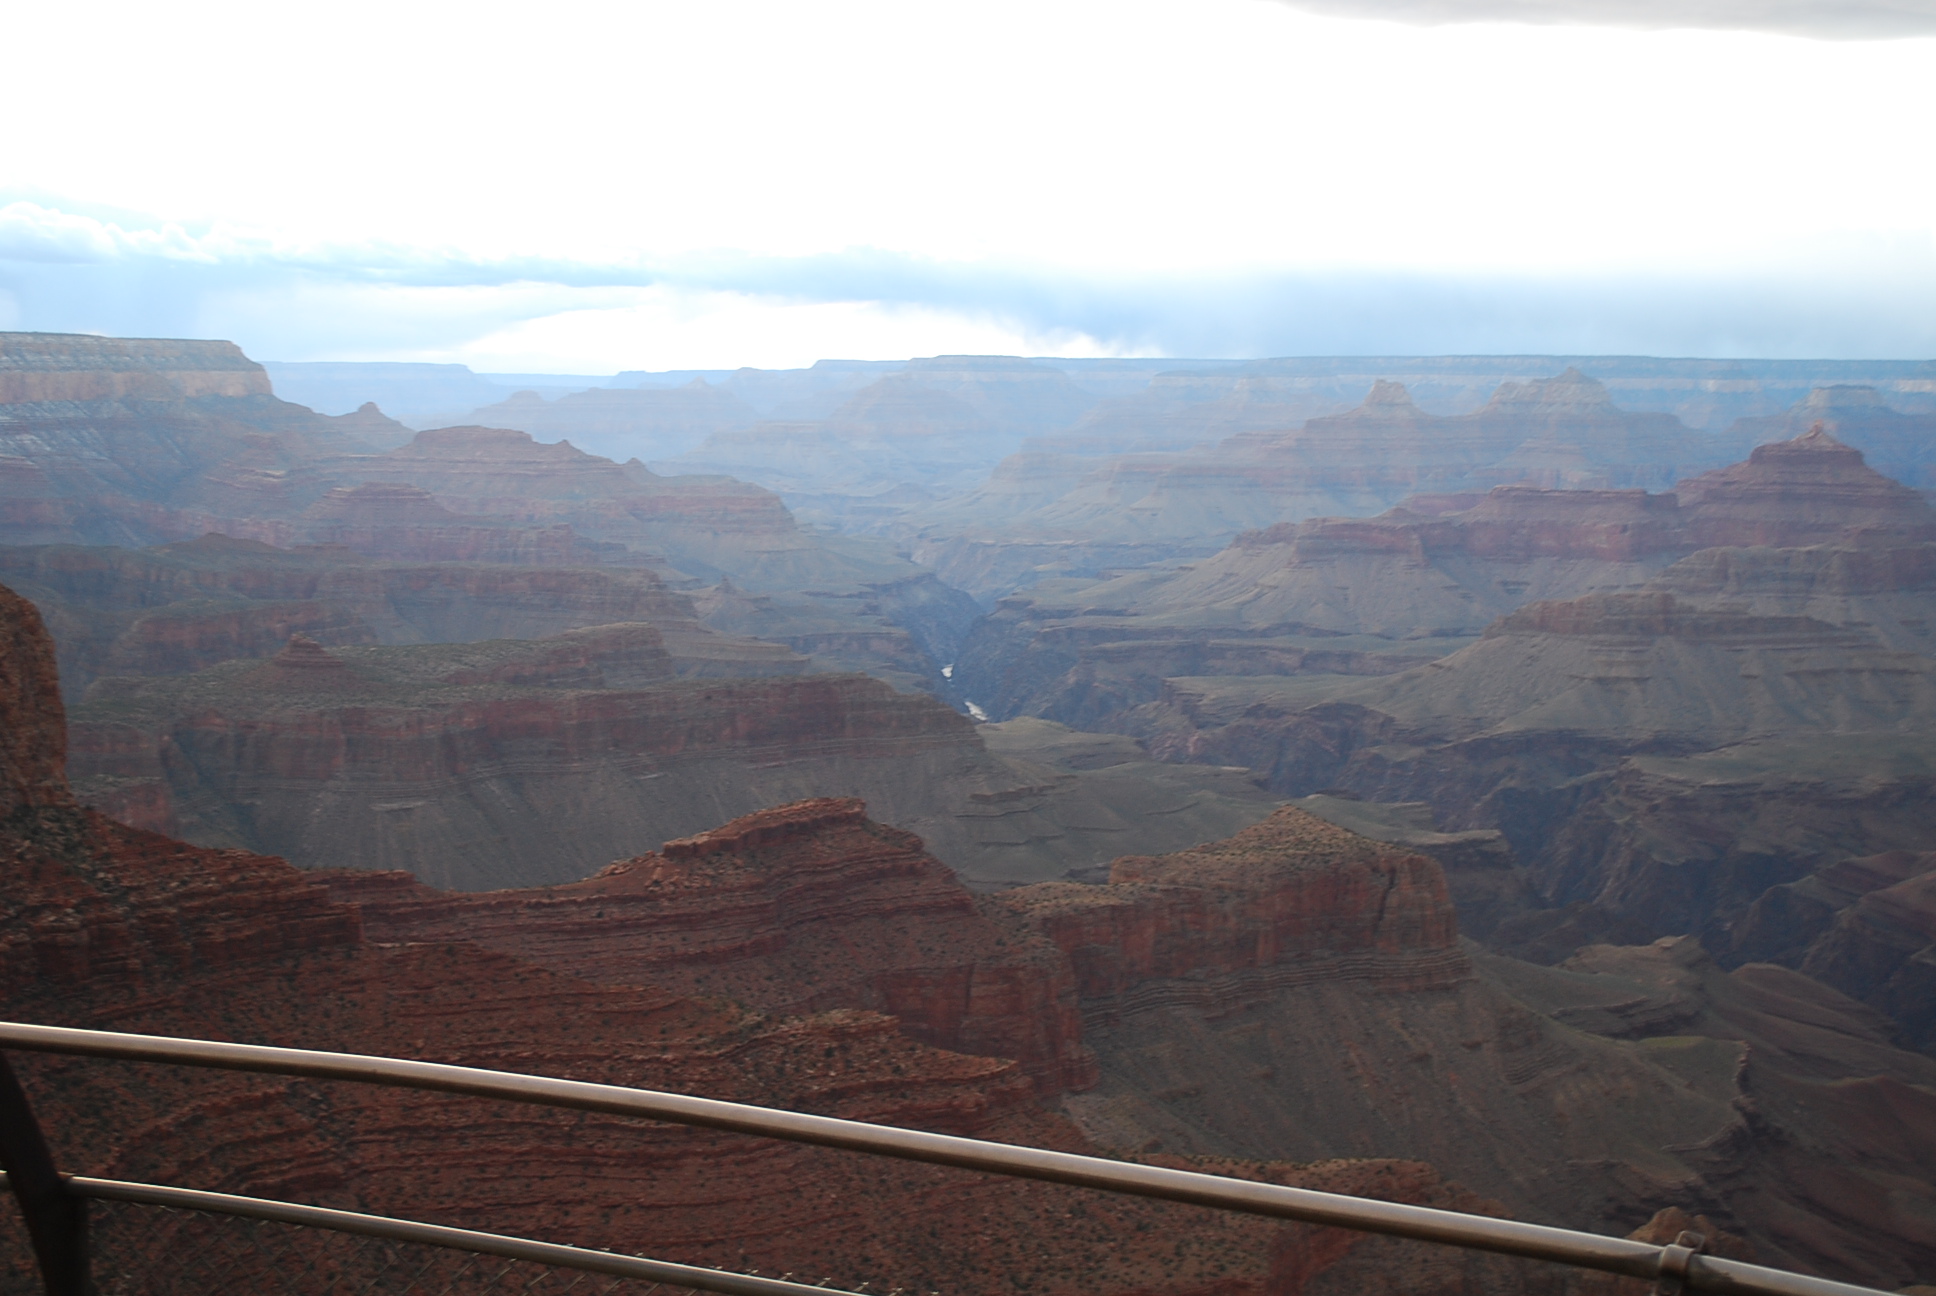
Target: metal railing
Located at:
point(1673, 1267)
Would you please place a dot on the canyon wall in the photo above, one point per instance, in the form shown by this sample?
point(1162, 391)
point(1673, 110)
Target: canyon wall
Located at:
point(539, 770)
point(1377, 591)
point(194, 443)
point(1299, 983)
point(795, 909)
point(111, 926)
point(80, 367)
point(1291, 900)
point(179, 608)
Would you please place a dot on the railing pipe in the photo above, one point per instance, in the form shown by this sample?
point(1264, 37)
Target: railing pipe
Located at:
point(438, 1235)
point(1424, 1223)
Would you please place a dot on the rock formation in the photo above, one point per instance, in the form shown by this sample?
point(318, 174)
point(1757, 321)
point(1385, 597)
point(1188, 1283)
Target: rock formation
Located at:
point(1408, 578)
point(184, 439)
point(32, 759)
point(1297, 990)
point(110, 926)
point(476, 765)
point(122, 438)
point(791, 910)
point(179, 608)
point(1866, 926)
point(1289, 901)
point(1293, 986)
point(1898, 443)
point(1811, 490)
point(515, 762)
point(1560, 432)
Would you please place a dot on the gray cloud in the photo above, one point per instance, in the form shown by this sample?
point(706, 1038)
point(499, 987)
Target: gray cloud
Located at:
point(1821, 19)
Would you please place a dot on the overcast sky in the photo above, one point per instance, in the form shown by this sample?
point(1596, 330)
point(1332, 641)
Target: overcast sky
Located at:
point(584, 188)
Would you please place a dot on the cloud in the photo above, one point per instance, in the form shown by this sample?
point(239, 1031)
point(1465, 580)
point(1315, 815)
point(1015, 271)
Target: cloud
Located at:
point(665, 327)
point(1861, 296)
point(1821, 19)
point(30, 232)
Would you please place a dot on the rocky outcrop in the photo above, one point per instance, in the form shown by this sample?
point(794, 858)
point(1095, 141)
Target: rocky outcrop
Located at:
point(33, 727)
point(1289, 901)
point(1811, 490)
point(795, 909)
point(1882, 950)
point(473, 765)
point(1796, 1061)
point(1483, 876)
point(1896, 442)
point(123, 438)
point(1656, 760)
point(1885, 588)
point(405, 522)
point(184, 607)
point(174, 458)
point(1866, 926)
point(853, 593)
point(1559, 432)
point(519, 762)
point(1409, 577)
point(1298, 989)
point(37, 368)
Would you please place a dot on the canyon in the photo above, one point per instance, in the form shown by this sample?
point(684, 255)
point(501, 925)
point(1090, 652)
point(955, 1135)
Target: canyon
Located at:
point(1665, 704)
point(520, 761)
point(1045, 515)
point(933, 767)
point(1379, 592)
point(109, 925)
point(135, 443)
point(806, 957)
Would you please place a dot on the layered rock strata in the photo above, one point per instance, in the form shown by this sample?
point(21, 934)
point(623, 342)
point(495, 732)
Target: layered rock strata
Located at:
point(1866, 926)
point(794, 909)
point(252, 949)
point(110, 926)
point(194, 443)
point(1560, 432)
point(1415, 576)
point(1289, 901)
point(183, 607)
point(501, 762)
point(507, 762)
point(1896, 440)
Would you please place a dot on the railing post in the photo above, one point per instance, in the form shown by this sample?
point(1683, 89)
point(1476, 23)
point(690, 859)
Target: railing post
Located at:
point(56, 1219)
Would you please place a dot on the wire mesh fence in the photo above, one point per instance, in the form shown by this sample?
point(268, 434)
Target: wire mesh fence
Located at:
point(161, 1251)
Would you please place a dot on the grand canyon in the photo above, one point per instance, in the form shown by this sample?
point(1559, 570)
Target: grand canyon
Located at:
point(1504, 783)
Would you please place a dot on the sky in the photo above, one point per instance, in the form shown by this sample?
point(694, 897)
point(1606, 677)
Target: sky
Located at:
point(584, 188)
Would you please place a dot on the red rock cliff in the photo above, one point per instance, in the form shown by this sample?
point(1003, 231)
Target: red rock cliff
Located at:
point(794, 909)
point(1812, 490)
point(33, 726)
point(106, 926)
point(1289, 900)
